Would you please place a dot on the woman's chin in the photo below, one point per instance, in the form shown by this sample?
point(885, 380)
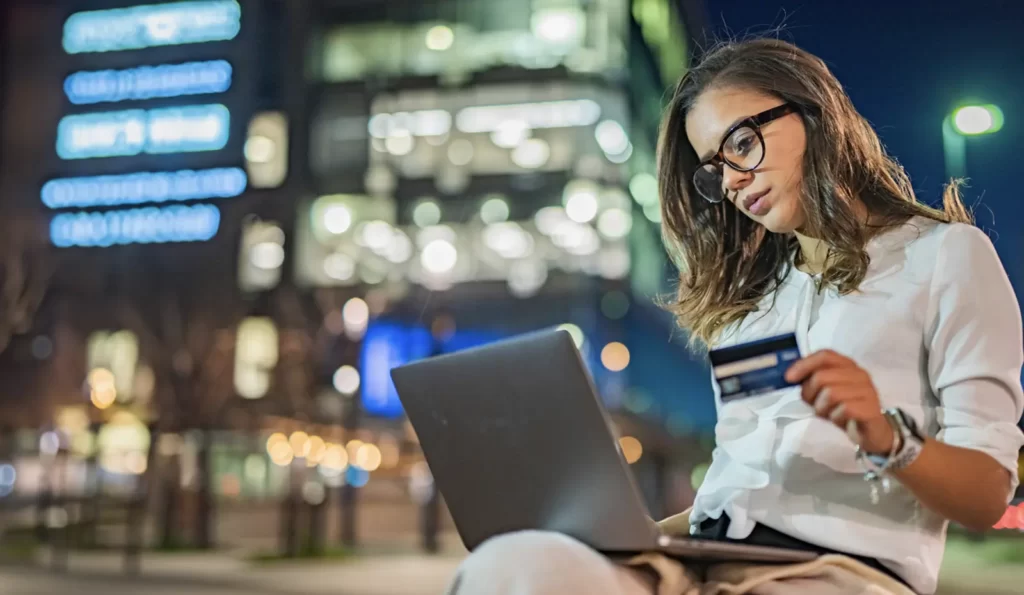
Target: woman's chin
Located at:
point(777, 221)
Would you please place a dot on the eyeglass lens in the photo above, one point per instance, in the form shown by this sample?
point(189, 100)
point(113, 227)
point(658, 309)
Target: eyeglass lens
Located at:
point(742, 150)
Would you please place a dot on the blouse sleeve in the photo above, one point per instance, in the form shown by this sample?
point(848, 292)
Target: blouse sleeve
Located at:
point(975, 349)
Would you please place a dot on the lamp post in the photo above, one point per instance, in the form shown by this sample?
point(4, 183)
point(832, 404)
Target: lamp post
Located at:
point(967, 120)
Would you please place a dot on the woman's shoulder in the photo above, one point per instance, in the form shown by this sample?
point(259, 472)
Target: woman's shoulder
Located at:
point(926, 239)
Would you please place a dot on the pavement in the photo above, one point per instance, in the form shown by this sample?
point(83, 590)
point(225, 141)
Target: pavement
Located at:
point(225, 573)
point(964, 573)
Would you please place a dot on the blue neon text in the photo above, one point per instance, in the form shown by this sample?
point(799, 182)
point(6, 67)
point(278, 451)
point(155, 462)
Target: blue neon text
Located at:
point(144, 187)
point(139, 27)
point(131, 132)
point(147, 82)
point(150, 225)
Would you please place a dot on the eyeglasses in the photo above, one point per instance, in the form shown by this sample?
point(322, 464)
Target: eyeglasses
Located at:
point(742, 149)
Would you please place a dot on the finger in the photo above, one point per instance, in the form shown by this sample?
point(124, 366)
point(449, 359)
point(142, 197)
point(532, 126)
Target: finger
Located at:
point(852, 431)
point(826, 377)
point(838, 415)
point(804, 367)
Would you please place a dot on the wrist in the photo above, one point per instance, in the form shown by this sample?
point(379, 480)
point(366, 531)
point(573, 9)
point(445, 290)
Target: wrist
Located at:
point(905, 445)
point(884, 438)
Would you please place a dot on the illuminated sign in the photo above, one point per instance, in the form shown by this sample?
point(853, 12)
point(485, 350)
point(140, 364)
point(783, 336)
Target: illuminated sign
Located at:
point(131, 132)
point(144, 187)
point(151, 225)
point(147, 82)
point(386, 346)
point(153, 25)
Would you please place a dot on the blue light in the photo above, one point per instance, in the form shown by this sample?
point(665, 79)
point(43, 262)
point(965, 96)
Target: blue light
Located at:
point(130, 132)
point(151, 225)
point(386, 346)
point(153, 25)
point(143, 187)
point(147, 82)
point(356, 477)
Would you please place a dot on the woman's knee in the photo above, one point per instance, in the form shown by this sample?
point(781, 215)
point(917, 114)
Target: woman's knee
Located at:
point(535, 562)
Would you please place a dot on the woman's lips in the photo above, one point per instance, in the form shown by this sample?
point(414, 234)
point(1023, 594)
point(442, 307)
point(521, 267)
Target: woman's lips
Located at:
point(755, 204)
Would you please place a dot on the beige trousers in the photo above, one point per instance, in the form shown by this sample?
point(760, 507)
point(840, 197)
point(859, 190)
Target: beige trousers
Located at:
point(544, 563)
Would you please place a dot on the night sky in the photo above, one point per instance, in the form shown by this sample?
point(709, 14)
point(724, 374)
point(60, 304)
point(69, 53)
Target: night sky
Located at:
point(905, 64)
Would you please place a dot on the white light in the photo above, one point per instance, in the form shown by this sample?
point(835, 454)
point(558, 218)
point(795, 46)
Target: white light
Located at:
point(580, 199)
point(440, 38)
point(973, 119)
point(434, 122)
point(615, 223)
point(337, 219)
point(621, 157)
point(548, 219)
point(259, 149)
point(545, 114)
point(510, 134)
point(644, 188)
point(355, 313)
point(614, 263)
point(155, 187)
point(346, 380)
point(267, 255)
point(611, 137)
point(49, 443)
point(376, 235)
point(140, 27)
point(508, 240)
point(494, 210)
point(439, 256)
point(531, 154)
point(400, 249)
point(339, 266)
point(526, 277)
point(653, 213)
point(379, 125)
point(560, 26)
point(428, 123)
point(460, 152)
point(426, 213)
point(399, 143)
point(576, 238)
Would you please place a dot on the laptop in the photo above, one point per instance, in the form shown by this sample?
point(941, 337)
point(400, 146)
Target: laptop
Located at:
point(517, 439)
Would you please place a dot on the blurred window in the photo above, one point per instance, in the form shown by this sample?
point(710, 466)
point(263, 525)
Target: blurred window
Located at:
point(582, 36)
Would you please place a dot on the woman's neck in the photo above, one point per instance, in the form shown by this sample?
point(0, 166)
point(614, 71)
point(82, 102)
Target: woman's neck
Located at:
point(813, 253)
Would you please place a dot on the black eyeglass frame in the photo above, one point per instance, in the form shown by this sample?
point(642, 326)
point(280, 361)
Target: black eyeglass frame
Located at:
point(755, 123)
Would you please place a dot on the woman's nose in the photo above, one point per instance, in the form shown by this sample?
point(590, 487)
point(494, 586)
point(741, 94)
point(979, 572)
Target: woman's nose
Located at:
point(734, 181)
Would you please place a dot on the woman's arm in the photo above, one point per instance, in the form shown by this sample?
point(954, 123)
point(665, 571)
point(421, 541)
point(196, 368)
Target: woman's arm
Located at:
point(963, 485)
point(974, 349)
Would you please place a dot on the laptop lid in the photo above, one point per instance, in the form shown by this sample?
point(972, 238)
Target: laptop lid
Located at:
point(517, 439)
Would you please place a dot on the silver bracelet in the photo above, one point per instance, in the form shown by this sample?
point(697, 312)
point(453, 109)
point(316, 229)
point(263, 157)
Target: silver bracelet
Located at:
point(878, 474)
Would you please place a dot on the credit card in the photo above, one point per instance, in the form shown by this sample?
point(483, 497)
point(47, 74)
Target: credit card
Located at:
point(754, 368)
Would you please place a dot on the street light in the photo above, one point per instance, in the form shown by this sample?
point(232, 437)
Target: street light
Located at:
point(966, 120)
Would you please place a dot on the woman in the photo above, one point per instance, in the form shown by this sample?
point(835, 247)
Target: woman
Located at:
point(784, 214)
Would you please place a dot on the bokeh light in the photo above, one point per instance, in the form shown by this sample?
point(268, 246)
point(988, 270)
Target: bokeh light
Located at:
point(615, 356)
point(631, 449)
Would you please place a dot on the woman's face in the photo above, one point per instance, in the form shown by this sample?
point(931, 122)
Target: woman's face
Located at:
point(770, 194)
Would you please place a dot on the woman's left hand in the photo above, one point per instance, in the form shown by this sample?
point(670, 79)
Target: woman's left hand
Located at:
point(841, 391)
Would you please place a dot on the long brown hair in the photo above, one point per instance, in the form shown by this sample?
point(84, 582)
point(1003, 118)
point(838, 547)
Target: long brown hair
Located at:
point(727, 262)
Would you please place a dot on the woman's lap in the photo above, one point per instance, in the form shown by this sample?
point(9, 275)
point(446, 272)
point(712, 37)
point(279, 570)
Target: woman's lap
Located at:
point(547, 563)
point(542, 563)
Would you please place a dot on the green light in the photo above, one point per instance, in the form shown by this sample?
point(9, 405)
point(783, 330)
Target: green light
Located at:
point(972, 120)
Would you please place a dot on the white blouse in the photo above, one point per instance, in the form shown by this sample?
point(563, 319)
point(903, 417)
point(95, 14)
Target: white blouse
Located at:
point(936, 324)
